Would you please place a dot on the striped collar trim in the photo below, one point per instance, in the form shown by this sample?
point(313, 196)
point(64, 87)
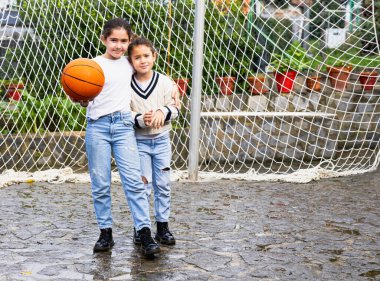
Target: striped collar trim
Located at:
point(149, 90)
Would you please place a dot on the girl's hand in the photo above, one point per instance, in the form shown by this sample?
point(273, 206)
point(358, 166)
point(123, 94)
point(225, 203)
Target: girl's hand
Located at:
point(84, 103)
point(158, 119)
point(148, 117)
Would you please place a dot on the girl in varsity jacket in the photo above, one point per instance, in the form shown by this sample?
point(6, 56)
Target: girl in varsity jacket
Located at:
point(153, 108)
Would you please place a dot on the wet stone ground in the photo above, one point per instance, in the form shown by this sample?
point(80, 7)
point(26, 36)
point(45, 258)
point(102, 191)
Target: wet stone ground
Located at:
point(225, 230)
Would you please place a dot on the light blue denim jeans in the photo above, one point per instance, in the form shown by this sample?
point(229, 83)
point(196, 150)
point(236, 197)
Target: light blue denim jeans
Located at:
point(155, 156)
point(114, 133)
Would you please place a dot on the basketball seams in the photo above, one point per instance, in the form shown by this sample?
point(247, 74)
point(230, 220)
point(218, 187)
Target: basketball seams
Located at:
point(85, 81)
point(94, 67)
point(73, 92)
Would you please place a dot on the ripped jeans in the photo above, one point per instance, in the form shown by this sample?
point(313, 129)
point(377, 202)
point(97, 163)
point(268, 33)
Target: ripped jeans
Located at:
point(114, 133)
point(155, 156)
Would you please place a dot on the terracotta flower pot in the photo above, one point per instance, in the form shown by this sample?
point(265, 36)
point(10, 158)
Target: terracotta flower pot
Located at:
point(257, 85)
point(313, 83)
point(368, 79)
point(285, 81)
point(339, 76)
point(182, 84)
point(226, 85)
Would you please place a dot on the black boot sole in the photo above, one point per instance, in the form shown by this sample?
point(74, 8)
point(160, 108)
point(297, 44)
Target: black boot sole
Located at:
point(96, 250)
point(150, 252)
point(164, 242)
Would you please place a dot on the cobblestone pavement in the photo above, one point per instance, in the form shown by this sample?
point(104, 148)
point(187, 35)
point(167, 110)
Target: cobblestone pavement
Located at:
point(226, 230)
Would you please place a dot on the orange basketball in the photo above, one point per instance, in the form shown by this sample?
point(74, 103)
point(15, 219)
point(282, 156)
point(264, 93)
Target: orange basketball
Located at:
point(82, 79)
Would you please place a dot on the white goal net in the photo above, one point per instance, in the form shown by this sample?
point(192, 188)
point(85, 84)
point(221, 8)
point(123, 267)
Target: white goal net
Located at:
point(290, 89)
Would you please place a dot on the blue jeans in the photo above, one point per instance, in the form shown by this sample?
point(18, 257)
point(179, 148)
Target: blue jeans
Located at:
point(114, 133)
point(155, 156)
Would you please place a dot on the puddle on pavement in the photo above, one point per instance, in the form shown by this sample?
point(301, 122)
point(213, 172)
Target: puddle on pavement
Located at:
point(347, 231)
point(263, 248)
point(371, 273)
point(334, 259)
point(344, 230)
point(336, 252)
point(27, 206)
point(231, 197)
point(209, 211)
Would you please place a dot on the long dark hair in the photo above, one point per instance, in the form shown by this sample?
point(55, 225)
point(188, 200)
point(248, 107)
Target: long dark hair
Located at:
point(116, 23)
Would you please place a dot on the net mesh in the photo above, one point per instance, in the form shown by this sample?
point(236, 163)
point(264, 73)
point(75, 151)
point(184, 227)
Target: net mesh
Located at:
point(273, 105)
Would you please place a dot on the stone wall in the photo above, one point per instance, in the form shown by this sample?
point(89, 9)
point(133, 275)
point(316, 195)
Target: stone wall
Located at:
point(354, 124)
point(256, 138)
point(42, 151)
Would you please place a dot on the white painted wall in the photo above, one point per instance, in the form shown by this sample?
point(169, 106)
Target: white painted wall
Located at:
point(4, 3)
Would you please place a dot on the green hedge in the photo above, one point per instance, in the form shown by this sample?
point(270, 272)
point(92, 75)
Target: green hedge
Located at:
point(34, 115)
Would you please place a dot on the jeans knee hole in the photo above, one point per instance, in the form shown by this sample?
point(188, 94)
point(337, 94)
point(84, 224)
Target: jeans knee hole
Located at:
point(144, 180)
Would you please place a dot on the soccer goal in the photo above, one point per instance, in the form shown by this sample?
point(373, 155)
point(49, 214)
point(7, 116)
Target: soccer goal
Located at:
point(271, 90)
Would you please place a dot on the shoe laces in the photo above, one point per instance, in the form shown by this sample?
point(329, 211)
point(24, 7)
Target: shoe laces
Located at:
point(146, 236)
point(148, 240)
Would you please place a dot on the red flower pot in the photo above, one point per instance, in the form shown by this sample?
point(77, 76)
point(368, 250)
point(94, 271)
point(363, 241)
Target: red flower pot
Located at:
point(182, 84)
point(285, 81)
point(13, 91)
point(14, 95)
point(226, 85)
point(257, 85)
point(368, 79)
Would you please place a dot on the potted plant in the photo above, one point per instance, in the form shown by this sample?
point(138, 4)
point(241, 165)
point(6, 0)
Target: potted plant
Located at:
point(338, 74)
point(287, 65)
point(221, 72)
point(226, 81)
point(179, 71)
point(284, 75)
point(257, 84)
point(13, 89)
point(226, 84)
point(182, 84)
point(253, 82)
point(313, 83)
point(368, 79)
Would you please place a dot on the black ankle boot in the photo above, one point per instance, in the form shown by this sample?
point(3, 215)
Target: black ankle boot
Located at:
point(136, 237)
point(148, 245)
point(163, 234)
point(105, 241)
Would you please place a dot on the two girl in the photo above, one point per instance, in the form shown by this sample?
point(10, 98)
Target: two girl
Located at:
point(110, 130)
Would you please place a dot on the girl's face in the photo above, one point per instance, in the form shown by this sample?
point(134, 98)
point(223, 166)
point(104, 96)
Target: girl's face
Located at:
point(116, 43)
point(142, 58)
